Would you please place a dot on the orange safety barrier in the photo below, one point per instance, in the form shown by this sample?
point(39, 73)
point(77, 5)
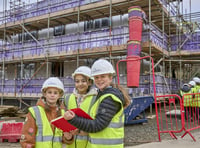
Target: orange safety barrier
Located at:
point(191, 105)
point(11, 132)
point(170, 115)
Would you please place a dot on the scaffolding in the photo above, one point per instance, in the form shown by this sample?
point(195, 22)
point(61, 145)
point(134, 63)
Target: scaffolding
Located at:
point(167, 31)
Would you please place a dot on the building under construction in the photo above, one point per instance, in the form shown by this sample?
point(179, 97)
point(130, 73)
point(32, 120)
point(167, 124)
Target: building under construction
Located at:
point(54, 37)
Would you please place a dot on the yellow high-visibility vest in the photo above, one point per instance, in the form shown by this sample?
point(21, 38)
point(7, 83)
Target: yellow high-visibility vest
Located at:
point(197, 96)
point(188, 99)
point(113, 135)
point(70, 103)
point(45, 136)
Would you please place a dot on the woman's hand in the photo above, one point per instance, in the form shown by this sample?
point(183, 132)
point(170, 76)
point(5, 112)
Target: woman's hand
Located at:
point(69, 115)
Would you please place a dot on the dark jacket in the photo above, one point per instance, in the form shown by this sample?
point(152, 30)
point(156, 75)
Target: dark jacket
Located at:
point(106, 111)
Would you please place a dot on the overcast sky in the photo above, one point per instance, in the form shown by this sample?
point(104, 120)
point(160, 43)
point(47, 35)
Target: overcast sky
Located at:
point(195, 4)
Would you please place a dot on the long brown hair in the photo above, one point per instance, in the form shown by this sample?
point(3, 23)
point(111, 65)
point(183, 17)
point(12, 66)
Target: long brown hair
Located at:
point(125, 94)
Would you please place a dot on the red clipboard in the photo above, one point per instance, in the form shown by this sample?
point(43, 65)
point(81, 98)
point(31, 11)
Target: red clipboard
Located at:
point(64, 125)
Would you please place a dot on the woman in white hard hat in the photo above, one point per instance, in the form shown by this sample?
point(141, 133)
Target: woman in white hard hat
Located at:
point(83, 96)
point(107, 128)
point(37, 130)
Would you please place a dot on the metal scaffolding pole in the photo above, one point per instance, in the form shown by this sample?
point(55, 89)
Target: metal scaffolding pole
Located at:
point(150, 65)
point(48, 37)
point(163, 37)
point(110, 30)
point(3, 45)
point(169, 47)
point(78, 21)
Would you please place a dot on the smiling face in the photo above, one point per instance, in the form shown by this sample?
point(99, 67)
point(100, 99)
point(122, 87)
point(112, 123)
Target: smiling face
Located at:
point(81, 83)
point(102, 81)
point(52, 95)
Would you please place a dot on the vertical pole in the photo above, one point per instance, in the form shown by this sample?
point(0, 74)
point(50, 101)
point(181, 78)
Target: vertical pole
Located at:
point(47, 50)
point(169, 45)
point(179, 40)
point(110, 30)
point(21, 74)
point(150, 66)
point(163, 41)
point(22, 65)
point(15, 91)
point(3, 64)
point(78, 31)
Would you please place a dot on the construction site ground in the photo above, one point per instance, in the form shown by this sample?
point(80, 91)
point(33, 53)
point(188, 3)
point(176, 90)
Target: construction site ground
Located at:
point(145, 135)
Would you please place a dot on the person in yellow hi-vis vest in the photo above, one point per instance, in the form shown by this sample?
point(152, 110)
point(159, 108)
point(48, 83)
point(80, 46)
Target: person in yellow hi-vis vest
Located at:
point(192, 85)
point(37, 131)
point(107, 128)
point(197, 86)
point(187, 100)
point(83, 96)
point(197, 95)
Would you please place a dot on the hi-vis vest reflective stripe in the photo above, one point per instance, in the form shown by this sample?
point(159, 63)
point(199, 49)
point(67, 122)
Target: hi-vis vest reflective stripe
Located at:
point(70, 103)
point(113, 135)
point(188, 99)
point(45, 137)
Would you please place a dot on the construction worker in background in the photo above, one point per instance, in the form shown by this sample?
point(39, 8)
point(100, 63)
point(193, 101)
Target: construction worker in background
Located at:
point(197, 96)
point(197, 86)
point(83, 96)
point(37, 131)
point(107, 128)
point(192, 85)
point(187, 100)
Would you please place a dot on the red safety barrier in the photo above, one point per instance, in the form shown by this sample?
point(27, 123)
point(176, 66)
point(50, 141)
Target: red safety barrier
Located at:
point(169, 112)
point(11, 132)
point(191, 105)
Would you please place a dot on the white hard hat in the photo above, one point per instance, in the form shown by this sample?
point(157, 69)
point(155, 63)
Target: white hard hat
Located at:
point(186, 84)
point(102, 66)
point(196, 79)
point(83, 70)
point(53, 82)
point(193, 83)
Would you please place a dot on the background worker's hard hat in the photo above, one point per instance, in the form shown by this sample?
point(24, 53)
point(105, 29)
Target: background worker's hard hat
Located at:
point(83, 70)
point(102, 66)
point(192, 83)
point(196, 79)
point(53, 82)
point(185, 84)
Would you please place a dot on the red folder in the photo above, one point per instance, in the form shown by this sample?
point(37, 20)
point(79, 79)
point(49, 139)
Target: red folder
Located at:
point(64, 125)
